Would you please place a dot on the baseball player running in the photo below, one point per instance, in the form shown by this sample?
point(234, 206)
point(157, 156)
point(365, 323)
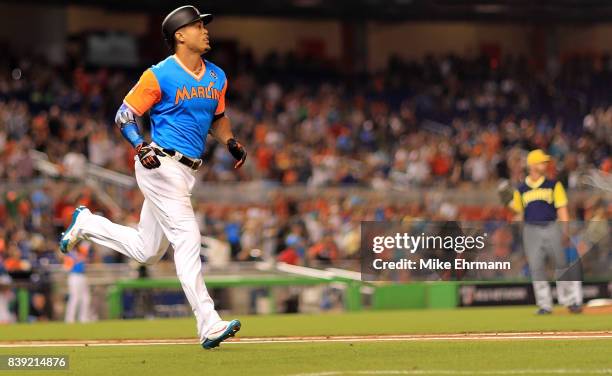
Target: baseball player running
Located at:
point(543, 206)
point(185, 96)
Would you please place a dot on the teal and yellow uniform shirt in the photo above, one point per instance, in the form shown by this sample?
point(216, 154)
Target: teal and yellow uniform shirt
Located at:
point(539, 200)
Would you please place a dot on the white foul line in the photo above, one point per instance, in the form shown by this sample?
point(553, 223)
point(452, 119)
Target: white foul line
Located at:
point(319, 339)
point(556, 371)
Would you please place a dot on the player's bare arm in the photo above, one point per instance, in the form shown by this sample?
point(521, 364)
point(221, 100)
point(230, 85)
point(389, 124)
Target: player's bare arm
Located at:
point(221, 130)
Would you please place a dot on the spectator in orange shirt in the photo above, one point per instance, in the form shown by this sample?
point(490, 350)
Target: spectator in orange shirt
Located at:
point(440, 163)
point(14, 262)
point(325, 250)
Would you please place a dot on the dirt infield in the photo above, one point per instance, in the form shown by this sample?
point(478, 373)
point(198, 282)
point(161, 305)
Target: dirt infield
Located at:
point(369, 338)
point(603, 310)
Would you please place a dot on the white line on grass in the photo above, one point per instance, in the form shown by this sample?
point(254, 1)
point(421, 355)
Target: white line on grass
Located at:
point(319, 339)
point(557, 371)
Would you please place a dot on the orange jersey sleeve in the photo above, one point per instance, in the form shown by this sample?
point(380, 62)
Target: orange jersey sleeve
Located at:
point(221, 104)
point(144, 94)
point(68, 262)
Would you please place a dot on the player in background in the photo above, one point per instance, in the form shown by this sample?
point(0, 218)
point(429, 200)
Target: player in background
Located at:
point(185, 97)
point(6, 297)
point(542, 205)
point(79, 298)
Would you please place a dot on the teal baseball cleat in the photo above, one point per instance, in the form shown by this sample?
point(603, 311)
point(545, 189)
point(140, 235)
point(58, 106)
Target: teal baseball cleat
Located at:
point(70, 237)
point(220, 332)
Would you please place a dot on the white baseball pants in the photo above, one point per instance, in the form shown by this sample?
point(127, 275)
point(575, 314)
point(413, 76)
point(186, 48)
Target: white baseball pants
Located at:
point(79, 298)
point(166, 217)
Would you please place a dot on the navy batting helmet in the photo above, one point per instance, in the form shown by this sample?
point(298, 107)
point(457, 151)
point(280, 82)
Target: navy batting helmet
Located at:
point(181, 17)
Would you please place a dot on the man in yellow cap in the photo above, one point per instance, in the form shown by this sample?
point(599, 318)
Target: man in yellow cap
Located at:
point(542, 203)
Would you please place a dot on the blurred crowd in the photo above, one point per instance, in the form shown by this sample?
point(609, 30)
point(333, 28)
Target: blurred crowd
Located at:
point(312, 230)
point(441, 121)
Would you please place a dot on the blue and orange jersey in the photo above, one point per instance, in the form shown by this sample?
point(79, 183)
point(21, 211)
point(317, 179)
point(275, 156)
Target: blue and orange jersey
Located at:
point(539, 200)
point(74, 261)
point(182, 104)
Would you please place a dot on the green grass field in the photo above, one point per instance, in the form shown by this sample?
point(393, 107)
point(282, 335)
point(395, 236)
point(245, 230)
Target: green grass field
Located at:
point(503, 357)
